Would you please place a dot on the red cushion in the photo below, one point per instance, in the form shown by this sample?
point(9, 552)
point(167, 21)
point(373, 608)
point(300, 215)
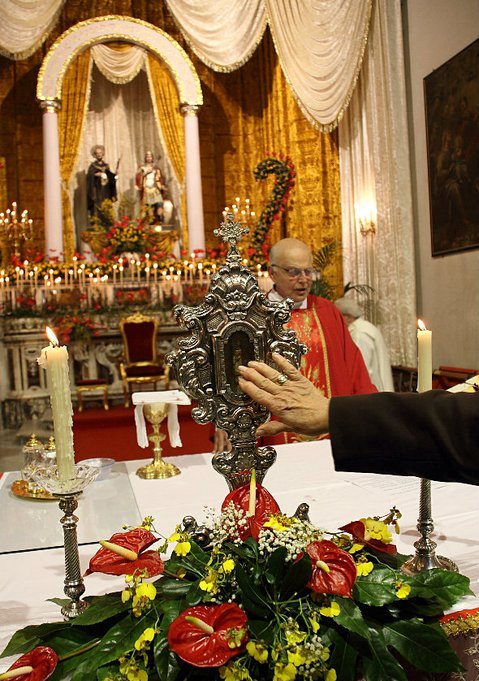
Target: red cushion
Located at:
point(145, 370)
point(139, 338)
point(91, 381)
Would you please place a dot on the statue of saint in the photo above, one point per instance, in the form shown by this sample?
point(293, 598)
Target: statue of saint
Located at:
point(101, 182)
point(152, 189)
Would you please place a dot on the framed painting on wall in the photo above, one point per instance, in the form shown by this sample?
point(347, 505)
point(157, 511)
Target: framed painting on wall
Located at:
point(451, 95)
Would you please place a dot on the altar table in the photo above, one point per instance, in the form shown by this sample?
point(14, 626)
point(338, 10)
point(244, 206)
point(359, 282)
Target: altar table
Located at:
point(302, 473)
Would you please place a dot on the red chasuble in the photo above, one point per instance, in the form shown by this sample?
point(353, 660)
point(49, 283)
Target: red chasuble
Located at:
point(333, 362)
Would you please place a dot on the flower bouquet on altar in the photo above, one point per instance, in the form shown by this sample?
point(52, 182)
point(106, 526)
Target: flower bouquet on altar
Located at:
point(254, 595)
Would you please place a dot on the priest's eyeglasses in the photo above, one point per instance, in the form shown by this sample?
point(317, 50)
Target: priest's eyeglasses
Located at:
point(295, 272)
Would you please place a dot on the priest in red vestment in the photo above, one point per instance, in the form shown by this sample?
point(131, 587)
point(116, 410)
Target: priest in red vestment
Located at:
point(333, 362)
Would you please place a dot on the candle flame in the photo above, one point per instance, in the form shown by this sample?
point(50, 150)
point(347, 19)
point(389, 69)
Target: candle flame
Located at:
point(421, 325)
point(51, 337)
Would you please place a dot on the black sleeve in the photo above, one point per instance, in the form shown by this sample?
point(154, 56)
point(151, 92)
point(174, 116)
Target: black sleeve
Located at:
point(432, 435)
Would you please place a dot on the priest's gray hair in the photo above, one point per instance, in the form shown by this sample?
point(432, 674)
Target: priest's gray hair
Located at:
point(348, 306)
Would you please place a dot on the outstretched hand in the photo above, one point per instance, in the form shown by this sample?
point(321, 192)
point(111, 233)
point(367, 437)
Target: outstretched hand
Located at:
point(290, 396)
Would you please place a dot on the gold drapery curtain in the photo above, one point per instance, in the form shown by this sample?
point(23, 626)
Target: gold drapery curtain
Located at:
point(248, 115)
point(169, 120)
point(71, 119)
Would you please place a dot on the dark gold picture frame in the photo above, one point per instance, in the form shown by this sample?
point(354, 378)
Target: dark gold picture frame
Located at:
point(451, 95)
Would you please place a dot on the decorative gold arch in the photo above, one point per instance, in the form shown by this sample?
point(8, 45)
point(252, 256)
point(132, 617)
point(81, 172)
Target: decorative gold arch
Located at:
point(112, 28)
point(67, 47)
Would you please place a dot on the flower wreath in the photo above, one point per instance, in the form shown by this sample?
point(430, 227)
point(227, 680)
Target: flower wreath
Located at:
point(252, 595)
point(283, 168)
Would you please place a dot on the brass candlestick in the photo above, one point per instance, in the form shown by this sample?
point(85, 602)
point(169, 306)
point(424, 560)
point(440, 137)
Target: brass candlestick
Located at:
point(155, 414)
point(425, 557)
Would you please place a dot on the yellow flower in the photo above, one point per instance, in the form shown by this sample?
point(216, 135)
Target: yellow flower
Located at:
point(403, 590)
point(364, 567)
point(233, 672)
point(284, 672)
point(145, 638)
point(332, 610)
point(298, 657)
point(331, 675)
point(125, 595)
point(280, 522)
point(137, 674)
point(181, 573)
point(210, 582)
point(182, 548)
point(228, 566)
point(146, 590)
point(293, 634)
point(356, 547)
point(257, 651)
point(314, 623)
point(376, 529)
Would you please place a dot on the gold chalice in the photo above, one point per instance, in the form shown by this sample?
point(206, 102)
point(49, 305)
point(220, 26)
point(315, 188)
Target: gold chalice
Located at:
point(155, 414)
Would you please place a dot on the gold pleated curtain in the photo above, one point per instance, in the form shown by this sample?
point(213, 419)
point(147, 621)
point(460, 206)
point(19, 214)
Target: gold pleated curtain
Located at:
point(248, 115)
point(71, 119)
point(169, 120)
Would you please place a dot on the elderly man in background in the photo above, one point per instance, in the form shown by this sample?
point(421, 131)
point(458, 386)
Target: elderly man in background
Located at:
point(333, 363)
point(370, 341)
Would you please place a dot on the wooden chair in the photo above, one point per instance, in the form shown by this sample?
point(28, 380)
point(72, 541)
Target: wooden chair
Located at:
point(141, 363)
point(446, 377)
point(404, 378)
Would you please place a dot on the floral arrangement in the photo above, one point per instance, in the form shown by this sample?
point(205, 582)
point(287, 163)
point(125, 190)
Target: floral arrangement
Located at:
point(283, 168)
point(254, 594)
point(128, 236)
point(78, 326)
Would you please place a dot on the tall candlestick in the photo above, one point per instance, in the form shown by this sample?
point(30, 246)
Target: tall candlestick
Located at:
point(424, 358)
point(55, 360)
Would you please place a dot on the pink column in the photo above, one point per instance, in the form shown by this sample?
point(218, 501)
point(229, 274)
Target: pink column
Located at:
point(194, 196)
point(52, 181)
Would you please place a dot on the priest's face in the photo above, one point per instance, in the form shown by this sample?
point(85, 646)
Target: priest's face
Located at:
point(292, 273)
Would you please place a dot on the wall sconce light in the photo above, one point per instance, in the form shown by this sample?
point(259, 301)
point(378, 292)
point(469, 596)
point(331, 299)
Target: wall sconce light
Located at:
point(366, 217)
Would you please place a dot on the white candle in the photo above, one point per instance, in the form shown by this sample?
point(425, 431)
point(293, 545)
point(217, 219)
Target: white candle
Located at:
point(55, 360)
point(424, 358)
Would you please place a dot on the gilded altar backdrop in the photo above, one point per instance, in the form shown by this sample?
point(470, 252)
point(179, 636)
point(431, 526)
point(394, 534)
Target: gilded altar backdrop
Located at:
point(246, 114)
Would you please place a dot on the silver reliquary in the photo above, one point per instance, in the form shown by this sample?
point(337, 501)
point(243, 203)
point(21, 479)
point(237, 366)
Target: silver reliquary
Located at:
point(236, 323)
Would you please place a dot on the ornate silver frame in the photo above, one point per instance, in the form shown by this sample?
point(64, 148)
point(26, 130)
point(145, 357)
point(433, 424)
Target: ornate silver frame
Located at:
point(235, 323)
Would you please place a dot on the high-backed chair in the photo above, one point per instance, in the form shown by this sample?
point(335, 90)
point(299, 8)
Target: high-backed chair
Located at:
point(141, 363)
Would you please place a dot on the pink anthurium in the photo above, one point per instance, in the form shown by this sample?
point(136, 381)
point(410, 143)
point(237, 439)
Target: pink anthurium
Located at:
point(36, 665)
point(258, 504)
point(357, 529)
point(209, 635)
point(125, 552)
point(334, 570)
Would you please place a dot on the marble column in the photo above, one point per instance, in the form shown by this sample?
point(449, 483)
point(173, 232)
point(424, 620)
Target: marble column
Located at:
point(52, 180)
point(194, 196)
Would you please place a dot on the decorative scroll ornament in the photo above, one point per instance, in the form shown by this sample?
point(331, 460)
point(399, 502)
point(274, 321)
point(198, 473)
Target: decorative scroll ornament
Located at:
point(236, 323)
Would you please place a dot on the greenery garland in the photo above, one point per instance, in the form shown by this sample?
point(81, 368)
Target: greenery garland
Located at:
point(283, 168)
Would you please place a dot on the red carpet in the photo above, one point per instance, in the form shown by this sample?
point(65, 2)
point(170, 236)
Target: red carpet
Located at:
point(112, 434)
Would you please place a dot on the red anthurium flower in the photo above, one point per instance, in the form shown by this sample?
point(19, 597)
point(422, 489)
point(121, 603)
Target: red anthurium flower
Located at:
point(209, 635)
point(264, 506)
point(37, 665)
point(124, 553)
point(357, 529)
point(334, 570)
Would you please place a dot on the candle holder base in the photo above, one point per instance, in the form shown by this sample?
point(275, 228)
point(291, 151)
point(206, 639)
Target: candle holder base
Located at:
point(427, 561)
point(157, 470)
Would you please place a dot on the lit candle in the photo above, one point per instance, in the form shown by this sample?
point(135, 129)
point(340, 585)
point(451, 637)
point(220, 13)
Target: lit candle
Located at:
point(75, 259)
point(424, 358)
point(55, 360)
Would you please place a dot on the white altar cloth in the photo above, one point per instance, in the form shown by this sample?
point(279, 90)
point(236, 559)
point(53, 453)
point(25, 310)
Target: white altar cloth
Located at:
point(302, 473)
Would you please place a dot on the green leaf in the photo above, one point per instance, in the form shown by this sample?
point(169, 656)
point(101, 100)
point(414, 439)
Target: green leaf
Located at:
point(100, 609)
point(195, 595)
point(343, 657)
point(276, 566)
point(425, 646)
point(35, 634)
point(351, 617)
point(296, 578)
point(166, 663)
point(252, 599)
point(171, 588)
point(116, 642)
point(377, 588)
point(381, 666)
point(441, 586)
